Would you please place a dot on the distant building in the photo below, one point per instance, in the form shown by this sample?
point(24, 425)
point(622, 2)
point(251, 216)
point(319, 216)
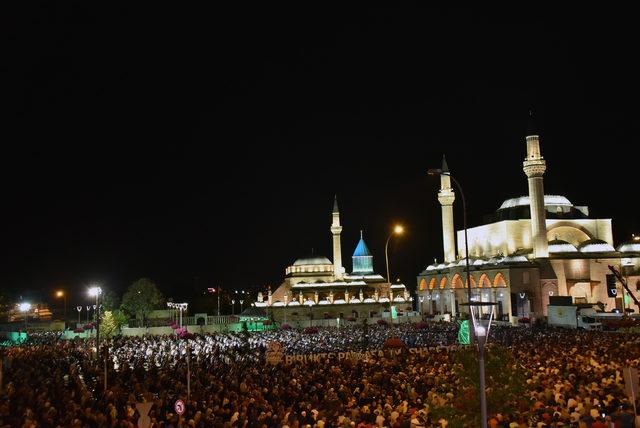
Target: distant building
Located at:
point(531, 248)
point(318, 288)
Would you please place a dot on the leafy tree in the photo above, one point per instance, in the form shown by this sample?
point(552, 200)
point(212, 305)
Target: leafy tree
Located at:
point(505, 387)
point(108, 325)
point(141, 298)
point(110, 300)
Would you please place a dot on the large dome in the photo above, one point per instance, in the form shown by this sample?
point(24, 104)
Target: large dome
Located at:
point(313, 260)
point(549, 200)
point(631, 246)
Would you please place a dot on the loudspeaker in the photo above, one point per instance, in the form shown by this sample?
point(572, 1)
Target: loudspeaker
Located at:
point(612, 290)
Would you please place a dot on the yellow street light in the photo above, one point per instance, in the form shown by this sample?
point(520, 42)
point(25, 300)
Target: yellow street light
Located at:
point(61, 293)
point(398, 230)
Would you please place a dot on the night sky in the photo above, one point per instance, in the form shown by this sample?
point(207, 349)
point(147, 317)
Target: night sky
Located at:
point(204, 146)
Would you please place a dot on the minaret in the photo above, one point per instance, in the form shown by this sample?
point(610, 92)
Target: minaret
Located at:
point(534, 167)
point(336, 229)
point(446, 198)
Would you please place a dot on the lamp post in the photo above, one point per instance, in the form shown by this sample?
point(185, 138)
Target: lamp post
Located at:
point(438, 171)
point(79, 308)
point(96, 291)
point(61, 293)
point(397, 230)
point(482, 334)
point(241, 302)
point(25, 307)
point(233, 306)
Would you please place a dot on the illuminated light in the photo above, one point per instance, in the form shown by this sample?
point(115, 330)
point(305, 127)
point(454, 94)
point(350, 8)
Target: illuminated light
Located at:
point(481, 331)
point(95, 291)
point(398, 229)
point(24, 307)
point(59, 293)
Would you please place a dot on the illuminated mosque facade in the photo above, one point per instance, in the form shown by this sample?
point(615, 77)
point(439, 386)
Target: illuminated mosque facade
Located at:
point(533, 247)
point(315, 287)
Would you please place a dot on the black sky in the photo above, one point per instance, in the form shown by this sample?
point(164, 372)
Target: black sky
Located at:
point(199, 146)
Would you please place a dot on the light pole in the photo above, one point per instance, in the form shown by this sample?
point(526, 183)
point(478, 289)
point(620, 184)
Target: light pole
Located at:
point(397, 230)
point(241, 302)
point(79, 308)
point(61, 293)
point(482, 334)
point(25, 307)
point(438, 171)
point(96, 291)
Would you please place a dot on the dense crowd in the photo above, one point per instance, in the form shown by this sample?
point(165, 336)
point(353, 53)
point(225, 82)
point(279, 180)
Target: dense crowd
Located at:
point(573, 379)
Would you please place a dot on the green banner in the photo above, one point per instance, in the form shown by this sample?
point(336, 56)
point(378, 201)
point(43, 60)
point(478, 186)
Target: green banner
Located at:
point(463, 333)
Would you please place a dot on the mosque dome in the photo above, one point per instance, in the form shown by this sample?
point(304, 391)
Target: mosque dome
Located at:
point(595, 246)
point(631, 246)
point(312, 260)
point(549, 200)
point(560, 246)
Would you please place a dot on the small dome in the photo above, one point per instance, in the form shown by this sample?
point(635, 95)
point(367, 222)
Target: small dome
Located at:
point(595, 246)
point(514, 259)
point(313, 260)
point(560, 246)
point(431, 267)
point(631, 246)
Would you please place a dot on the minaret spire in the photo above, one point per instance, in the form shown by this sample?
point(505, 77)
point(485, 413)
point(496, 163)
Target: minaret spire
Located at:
point(446, 198)
point(445, 167)
point(336, 230)
point(534, 167)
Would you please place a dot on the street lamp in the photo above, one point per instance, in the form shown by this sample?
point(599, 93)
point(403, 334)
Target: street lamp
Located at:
point(179, 306)
point(482, 334)
point(61, 293)
point(233, 306)
point(25, 307)
point(241, 301)
point(96, 292)
point(438, 171)
point(397, 230)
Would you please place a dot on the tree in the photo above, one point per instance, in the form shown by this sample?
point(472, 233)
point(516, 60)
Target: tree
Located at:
point(108, 325)
point(141, 298)
point(110, 300)
point(505, 387)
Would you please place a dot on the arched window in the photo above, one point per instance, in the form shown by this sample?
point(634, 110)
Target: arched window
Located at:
point(499, 281)
point(423, 284)
point(443, 282)
point(456, 282)
point(432, 283)
point(484, 282)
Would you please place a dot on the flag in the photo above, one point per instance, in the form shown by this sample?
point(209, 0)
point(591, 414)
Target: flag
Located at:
point(463, 333)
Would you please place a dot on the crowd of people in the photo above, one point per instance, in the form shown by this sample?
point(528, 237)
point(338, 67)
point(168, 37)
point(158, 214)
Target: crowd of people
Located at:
point(572, 378)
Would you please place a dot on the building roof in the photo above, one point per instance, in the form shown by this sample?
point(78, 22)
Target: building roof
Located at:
point(312, 260)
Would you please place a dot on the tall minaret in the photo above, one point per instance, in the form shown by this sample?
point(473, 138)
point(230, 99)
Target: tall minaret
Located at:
point(446, 198)
point(534, 167)
point(336, 229)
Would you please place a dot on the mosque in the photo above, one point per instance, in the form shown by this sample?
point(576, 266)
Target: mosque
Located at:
point(533, 247)
point(315, 288)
